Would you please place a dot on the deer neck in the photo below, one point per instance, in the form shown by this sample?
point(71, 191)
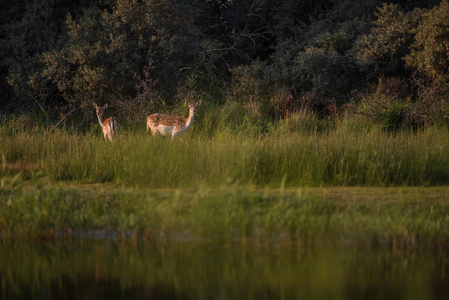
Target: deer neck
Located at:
point(189, 120)
point(100, 119)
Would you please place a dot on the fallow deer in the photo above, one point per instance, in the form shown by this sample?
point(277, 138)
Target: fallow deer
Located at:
point(171, 125)
point(110, 126)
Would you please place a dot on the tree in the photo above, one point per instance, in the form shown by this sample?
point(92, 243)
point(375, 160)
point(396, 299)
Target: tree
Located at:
point(31, 31)
point(232, 33)
point(430, 51)
point(103, 50)
point(381, 52)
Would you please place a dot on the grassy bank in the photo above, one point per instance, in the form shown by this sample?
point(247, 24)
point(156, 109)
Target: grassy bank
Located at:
point(375, 215)
point(286, 181)
point(342, 155)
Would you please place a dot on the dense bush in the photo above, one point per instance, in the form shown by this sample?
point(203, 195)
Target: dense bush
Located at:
point(29, 29)
point(430, 53)
point(103, 50)
point(381, 52)
point(273, 58)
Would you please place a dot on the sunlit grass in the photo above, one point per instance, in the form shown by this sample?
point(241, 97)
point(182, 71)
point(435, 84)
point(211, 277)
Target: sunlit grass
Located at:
point(340, 155)
point(373, 215)
point(229, 183)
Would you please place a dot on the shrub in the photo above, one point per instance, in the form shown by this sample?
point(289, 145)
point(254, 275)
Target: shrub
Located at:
point(383, 49)
point(386, 104)
point(326, 73)
point(430, 51)
point(23, 39)
point(101, 52)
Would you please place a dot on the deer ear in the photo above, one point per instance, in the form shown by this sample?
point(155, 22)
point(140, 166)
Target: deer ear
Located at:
point(95, 105)
point(105, 106)
point(198, 103)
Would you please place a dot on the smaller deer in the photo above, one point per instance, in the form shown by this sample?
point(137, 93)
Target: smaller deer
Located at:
point(171, 125)
point(110, 127)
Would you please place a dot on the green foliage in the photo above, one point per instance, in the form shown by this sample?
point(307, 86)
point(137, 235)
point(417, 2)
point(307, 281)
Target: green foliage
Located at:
point(299, 123)
point(386, 105)
point(410, 216)
point(430, 54)
point(254, 88)
point(301, 150)
point(384, 48)
point(103, 50)
point(272, 58)
point(392, 103)
point(311, 66)
point(25, 38)
point(326, 73)
point(310, 79)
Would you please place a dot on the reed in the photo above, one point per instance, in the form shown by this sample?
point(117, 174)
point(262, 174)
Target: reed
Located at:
point(391, 216)
point(230, 181)
point(339, 155)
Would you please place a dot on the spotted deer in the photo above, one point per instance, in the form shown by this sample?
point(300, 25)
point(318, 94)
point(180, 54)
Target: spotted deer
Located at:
point(110, 126)
point(171, 125)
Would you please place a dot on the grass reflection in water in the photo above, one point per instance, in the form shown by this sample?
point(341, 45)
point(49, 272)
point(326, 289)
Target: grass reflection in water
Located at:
point(110, 269)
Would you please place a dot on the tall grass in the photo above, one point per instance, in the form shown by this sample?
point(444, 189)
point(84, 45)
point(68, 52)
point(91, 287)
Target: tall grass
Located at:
point(217, 180)
point(215, 155)
point(412, 215)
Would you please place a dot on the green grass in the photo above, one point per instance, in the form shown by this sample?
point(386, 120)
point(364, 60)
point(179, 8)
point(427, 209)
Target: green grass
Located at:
point(418, 216)
point(278, 157)
point(209, 271)
point(267, 182)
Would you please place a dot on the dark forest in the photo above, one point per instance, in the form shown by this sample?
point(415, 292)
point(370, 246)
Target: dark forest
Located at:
point(376, 59)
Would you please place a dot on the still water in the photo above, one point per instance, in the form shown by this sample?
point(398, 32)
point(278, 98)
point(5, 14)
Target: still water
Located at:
point(79, 268)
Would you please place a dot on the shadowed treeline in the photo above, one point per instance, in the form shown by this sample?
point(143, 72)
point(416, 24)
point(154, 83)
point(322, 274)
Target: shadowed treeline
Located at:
point(381, 61)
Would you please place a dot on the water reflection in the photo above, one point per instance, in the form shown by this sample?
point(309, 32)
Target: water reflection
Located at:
point(106, 269)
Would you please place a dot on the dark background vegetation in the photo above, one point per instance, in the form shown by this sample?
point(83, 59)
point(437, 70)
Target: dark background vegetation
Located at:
point(382, 61)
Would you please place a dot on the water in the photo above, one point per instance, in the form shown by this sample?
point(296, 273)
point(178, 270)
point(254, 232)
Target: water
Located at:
point(79, 268)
